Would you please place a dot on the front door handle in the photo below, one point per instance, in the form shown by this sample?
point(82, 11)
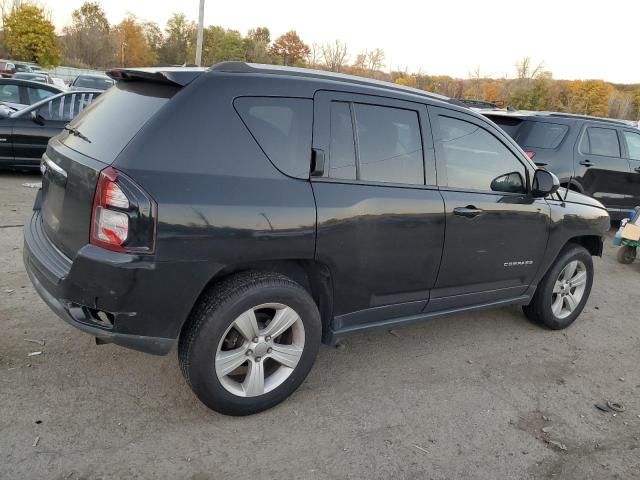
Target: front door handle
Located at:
point(586, 163)
point(469, 211)
point(637, 169)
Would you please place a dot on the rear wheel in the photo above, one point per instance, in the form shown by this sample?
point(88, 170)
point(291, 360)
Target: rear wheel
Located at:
point(250, 343)
point(626, 254)
point(564, 290)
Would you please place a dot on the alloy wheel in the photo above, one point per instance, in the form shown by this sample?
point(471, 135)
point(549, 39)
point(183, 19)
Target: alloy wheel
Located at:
point(569, 289)
point(260, 350)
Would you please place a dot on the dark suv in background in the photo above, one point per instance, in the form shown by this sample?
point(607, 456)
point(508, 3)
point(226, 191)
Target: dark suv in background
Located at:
point(595, 156)
point(248, 213)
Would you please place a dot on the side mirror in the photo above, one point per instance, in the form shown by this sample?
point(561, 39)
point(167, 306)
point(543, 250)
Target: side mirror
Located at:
point(508, 183)
point(544, 183)
point(36, 117)
point(4, 113)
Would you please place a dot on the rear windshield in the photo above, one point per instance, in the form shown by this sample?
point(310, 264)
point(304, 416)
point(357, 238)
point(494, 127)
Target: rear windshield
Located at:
point(115, 117)
point(99, 83)
point(510, 125)
point(541, 134)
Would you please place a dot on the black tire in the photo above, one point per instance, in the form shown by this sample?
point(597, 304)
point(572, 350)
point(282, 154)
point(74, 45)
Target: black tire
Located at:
point(626, 254)
point(213, 316)
point(539, 310)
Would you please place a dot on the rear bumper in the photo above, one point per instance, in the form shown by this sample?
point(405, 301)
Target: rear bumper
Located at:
point(79, 319)
point(142, 316)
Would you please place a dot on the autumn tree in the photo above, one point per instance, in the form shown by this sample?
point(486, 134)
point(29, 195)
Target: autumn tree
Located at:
point(134, 51)
point(290, 49)
point(335, 55)
point(257, 49)
point(589, 97)
point(179, 38)
point(89, 41)
point(30, 36)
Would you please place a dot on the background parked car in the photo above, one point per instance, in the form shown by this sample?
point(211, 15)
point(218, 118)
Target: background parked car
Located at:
point(91, 82)
point(24, 134)
point(7, 69)
point(22, 93)
point(23, 67)
point(41, 77)
point(596, 156)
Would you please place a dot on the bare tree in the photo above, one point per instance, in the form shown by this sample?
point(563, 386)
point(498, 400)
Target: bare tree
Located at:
point(476, 78)
point(315, 55)
point(526, 71)
point(335, 55)
point(375, 59)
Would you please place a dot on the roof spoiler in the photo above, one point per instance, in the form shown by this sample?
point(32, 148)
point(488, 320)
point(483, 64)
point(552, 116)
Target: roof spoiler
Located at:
point(175, 76)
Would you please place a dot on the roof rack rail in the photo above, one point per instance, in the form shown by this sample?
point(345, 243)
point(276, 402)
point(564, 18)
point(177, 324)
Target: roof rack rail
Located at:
point(243, 67)
point(585, 117)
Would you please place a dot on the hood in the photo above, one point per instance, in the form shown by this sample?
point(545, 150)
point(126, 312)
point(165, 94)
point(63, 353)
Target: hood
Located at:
point(575, 197)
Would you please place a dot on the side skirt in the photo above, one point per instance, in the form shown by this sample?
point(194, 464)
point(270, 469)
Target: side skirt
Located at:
point(335, 335)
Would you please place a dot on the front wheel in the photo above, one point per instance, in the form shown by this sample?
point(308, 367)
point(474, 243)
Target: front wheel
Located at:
point(250, 343)
point(564, 290)
point(626, 254)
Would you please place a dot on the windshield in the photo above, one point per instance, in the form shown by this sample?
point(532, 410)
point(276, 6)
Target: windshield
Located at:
point(116, 116)
point(100, 83)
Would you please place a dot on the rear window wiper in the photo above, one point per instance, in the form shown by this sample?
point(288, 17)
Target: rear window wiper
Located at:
point(77, 133)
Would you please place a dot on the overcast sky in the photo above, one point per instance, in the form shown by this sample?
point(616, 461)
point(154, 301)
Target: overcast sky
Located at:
point(575, 39)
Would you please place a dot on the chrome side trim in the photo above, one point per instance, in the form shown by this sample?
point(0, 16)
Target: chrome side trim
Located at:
point(54, 166)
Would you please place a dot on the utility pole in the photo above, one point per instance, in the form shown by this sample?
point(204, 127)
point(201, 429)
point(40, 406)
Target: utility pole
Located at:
point(200, 34)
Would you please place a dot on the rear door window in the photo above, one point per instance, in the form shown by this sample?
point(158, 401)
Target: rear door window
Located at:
point(10, 93)
point(633, 144)
point(282, 128)
point(600, 141)
point(389, 144)
point(342, 152)
point(542, 135)
point(37, 94)
point(65, 107)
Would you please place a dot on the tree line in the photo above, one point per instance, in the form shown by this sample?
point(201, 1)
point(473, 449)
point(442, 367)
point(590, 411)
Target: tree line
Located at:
point(90, 41)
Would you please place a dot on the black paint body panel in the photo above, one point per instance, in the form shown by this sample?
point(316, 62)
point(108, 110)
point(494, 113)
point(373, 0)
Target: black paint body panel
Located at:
point(392, 253)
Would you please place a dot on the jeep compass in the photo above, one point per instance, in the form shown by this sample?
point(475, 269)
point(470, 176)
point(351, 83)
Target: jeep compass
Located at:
point(245, 214)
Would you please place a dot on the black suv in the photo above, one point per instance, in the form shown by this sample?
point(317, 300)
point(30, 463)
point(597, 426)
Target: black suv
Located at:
point(595, 156)
point(248, 213)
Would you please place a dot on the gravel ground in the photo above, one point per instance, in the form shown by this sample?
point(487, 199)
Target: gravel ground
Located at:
point(484, 395)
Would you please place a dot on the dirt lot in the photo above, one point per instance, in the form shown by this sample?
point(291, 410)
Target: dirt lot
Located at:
point(486, 395)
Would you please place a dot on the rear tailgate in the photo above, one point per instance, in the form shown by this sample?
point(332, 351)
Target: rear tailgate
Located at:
point(73, 162)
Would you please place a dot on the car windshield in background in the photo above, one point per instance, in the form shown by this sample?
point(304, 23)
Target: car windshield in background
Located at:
point(98, 83)
point(31, 76)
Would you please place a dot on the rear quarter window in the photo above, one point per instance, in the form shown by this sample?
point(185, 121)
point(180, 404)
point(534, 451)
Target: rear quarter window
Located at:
point(542, 134)
point(282, 128)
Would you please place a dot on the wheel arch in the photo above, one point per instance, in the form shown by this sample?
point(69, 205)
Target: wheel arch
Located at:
point(313, 276)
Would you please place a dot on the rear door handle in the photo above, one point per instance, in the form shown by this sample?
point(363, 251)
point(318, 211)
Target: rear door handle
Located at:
point(469, 211)
point(637, 169)
point(586, 163)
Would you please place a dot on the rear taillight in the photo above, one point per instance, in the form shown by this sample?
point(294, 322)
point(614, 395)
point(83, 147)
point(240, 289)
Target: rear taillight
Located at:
point(530, 154)
point(123, 218)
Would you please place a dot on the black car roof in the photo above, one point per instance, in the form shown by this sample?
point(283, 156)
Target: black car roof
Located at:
point(185, 75)
point(31, 83)
point(552, 116)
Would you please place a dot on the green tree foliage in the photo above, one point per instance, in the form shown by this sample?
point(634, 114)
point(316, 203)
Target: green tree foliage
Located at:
point(221, 45)
point(179, 41)
point(88, 41)
point(30, 36)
